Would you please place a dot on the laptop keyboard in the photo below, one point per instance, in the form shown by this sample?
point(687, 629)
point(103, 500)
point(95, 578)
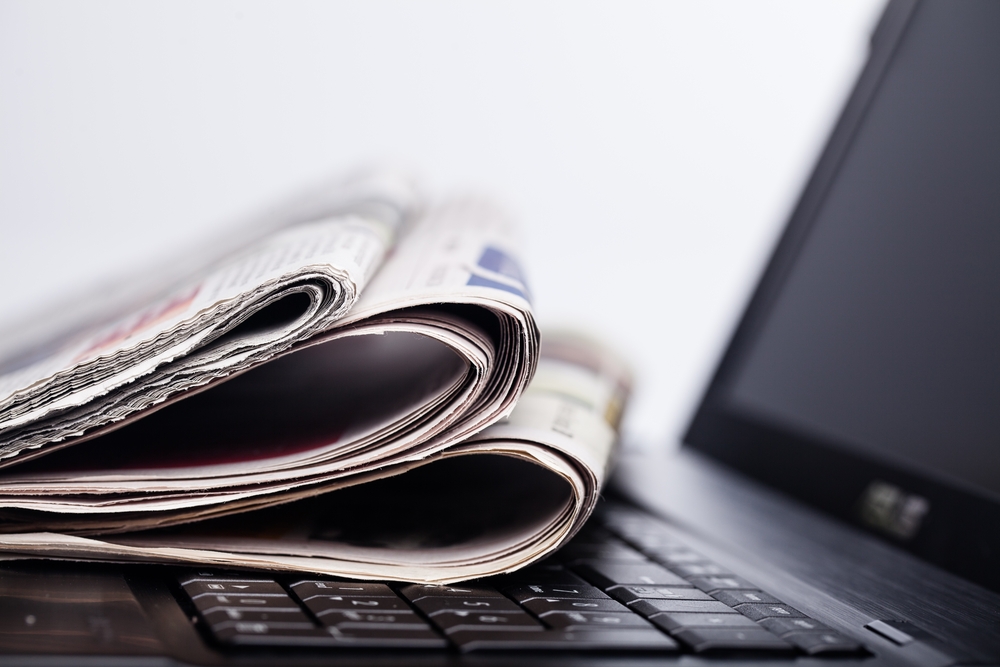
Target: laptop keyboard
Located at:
point(629, 585)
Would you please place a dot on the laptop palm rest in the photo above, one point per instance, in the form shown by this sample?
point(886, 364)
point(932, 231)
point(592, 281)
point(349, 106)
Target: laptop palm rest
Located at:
point(71, 610)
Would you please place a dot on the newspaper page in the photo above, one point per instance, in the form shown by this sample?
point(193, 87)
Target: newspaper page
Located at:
point(490, 504)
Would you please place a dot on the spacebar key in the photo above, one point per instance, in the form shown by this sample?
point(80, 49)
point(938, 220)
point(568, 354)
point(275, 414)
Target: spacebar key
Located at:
point(390, 638)
point(618, 639)
point(726, 639)
point(265, 634)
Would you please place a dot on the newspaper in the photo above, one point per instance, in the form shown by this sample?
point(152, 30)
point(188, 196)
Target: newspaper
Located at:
point(262, 411)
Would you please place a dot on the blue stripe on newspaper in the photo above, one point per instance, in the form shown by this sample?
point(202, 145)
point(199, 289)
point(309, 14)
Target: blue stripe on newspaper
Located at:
point(497, 261)
point(479, 281)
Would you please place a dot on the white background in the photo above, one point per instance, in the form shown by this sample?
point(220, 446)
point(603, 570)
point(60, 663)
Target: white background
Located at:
point(652, 151)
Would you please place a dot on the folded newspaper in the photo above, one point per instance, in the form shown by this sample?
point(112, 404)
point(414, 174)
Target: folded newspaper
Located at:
point(344, 390)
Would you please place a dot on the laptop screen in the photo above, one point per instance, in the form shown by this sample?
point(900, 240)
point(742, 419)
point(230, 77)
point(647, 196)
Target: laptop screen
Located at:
point(872, 347)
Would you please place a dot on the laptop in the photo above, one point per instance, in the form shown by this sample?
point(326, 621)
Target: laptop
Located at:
point(836, 499)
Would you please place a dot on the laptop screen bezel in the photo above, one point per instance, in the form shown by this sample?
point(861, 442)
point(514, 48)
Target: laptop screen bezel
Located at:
point(960, 530)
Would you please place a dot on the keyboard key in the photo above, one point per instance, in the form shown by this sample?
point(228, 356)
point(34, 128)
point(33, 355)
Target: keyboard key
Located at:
point(321, 604)
point(588, 620)
point(605, 574)
point(388, 638)
point(185, 578)
point(207, 603)
point(711, 584)
point(817, 643)
point(543, 606)
point(225, 614)
point(650, 542)
point(646, 536)
point(543, 575)
point(432, 606)
point(415, 592)
point(727, 639)
point(263, 634)
point(701, 570)
point(734, 597)
point(675, 621)
point(564, 640)
point(410, 639)
point(629, 594)
point(672, 556)
point(306, 589)
point(782, 626)
point(761, 611)
point(357, 620)
point(513, 621)
point(531, 591)
point(608, 551)
point(650, 607)
point(201, 587)
point(642, 531)
point(263, 627)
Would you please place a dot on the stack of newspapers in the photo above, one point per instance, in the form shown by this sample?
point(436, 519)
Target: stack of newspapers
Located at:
point(353, 384)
